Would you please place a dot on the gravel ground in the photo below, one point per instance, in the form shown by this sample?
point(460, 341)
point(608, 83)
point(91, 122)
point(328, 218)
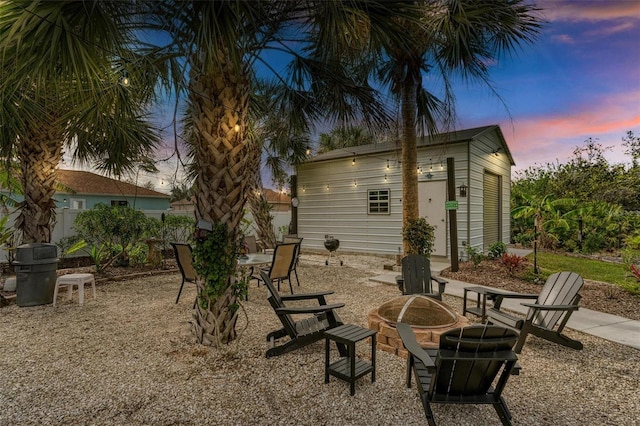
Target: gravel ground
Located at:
point(129, 358)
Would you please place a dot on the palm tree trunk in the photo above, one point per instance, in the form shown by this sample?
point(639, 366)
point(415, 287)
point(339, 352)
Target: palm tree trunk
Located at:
point(219, 102)
point(410, 208)
point(40, 154)
point(260, 208)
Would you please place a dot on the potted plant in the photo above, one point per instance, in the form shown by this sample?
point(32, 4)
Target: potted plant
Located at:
point(419, 235)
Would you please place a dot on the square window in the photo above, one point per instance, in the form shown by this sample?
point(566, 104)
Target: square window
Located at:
point(379, 201)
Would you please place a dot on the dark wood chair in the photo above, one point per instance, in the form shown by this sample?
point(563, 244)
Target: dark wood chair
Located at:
point(287, 239)
point(464, 367)
point(548, 315)
point(304, 331)
point(184, 259)
point(417, 278)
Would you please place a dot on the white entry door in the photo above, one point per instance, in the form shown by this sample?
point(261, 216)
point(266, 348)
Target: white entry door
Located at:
point(431, 204)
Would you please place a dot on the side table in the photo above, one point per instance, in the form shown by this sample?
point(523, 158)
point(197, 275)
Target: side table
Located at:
point(349, 368)
point(480, 309)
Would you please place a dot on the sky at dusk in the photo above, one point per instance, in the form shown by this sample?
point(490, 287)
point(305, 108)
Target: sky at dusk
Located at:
point(580, 79)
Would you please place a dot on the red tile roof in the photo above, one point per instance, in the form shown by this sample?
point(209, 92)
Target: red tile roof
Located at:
point(276, 197)
point(90, 183)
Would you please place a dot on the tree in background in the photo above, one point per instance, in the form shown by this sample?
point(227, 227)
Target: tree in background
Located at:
point(62, 85)
point(603, 215)
point(220, 45)
point(454, 38)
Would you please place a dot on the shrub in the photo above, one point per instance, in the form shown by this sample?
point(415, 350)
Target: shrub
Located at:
point(525, 239)
point(496, 250)
point(419, 234)
point(512, 261)
point(475, 256)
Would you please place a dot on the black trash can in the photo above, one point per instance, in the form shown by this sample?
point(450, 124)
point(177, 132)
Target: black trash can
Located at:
point(36, 265)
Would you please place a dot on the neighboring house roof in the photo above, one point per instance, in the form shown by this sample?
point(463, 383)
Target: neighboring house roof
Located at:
point(81, 182)
point(276, 197)
point(465, 135)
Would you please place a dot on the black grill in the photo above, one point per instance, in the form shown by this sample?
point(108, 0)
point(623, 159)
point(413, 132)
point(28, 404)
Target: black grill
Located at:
point(332, 245)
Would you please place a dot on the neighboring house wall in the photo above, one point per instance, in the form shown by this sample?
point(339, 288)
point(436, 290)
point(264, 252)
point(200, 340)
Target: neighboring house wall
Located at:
point(334, 193)
point(89, 201)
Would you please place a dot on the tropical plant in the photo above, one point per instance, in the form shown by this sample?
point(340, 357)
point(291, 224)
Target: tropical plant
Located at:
point(221, 44)
point(419, 236)
point(475, 256)
point(116, 228)
point(344, 137)
point(65, 69)
point(513, 261)
point(496, 250)
point(455, 38)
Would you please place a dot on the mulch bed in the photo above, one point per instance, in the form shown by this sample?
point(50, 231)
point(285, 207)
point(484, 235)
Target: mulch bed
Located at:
point(597, 296)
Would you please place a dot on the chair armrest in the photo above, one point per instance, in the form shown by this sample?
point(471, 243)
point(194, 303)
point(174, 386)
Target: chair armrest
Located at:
point(551, 307)
point(411, 344)
point(309, 310)
point(306, 296)
point(439, 280)
point(498, 296)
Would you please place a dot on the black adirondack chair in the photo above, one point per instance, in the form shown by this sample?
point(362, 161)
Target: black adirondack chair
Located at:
point(549, 314)
point(464, 368)
point(305, 331)
point(417, 279)
point(184, 260)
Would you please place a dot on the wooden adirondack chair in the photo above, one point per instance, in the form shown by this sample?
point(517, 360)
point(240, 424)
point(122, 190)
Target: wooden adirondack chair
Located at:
point(464, 368)
point(184, 260)
point(305, 331)
point(417, 278)
point(549, 314)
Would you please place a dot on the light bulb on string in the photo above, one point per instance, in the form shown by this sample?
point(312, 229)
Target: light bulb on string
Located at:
point(387, 164)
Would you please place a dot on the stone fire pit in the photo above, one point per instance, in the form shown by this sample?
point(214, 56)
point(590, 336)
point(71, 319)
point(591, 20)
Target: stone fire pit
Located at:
point(428, 317)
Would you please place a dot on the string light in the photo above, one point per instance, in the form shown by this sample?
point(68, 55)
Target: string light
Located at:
point(385, 178)
point(430, 165)
point(387, 164)
point(304, 188)
point(125, 81)
point(441, 166)
point(236, 127)
point(308, 151)
point(353, 162)
point(355, 182)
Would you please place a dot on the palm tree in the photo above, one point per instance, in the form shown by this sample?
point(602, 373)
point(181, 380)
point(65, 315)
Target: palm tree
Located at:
point(456, 36)
point(344, 137)
point(62, 66)
point(221, 44)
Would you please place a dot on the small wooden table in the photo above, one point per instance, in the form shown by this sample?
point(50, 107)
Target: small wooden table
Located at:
point(349, 368)
point(481, 305)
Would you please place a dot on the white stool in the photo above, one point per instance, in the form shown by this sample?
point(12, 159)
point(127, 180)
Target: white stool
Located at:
point(78, 280)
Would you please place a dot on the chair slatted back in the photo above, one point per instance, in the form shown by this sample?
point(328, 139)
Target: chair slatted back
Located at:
point(283, 259)
point(560, 288)
point(276, 302)
point(416, 272)
point(470, 358)
point(252, 243)
point(184, 259)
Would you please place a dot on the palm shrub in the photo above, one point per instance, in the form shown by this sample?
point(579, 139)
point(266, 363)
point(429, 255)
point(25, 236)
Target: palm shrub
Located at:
point(496, 250)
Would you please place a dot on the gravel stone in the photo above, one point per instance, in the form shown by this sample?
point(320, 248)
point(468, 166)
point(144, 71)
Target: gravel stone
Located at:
point(129, 358)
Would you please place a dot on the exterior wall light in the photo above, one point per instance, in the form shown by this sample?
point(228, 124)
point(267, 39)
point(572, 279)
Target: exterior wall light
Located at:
point(463, 190)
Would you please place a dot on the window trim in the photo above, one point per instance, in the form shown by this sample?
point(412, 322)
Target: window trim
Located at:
point(378, 204)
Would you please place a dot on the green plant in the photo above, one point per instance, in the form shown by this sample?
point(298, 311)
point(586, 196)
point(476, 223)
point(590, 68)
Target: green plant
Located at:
point(475, 256)
point(98, 254)
point(419, 235)
point(70, 245)
point(138, 254)
point(496, 250)
point(179, 228)
point(215, 261)
point(114, 227)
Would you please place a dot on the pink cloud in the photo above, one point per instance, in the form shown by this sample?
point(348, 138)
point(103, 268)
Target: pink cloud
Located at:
point(575, 11)
point(547, 139)
point(564, 38)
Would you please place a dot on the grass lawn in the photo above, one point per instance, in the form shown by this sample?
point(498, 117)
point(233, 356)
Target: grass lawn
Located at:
point(591, 269)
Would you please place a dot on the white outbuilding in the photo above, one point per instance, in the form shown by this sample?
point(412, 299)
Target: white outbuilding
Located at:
point(355, 194)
